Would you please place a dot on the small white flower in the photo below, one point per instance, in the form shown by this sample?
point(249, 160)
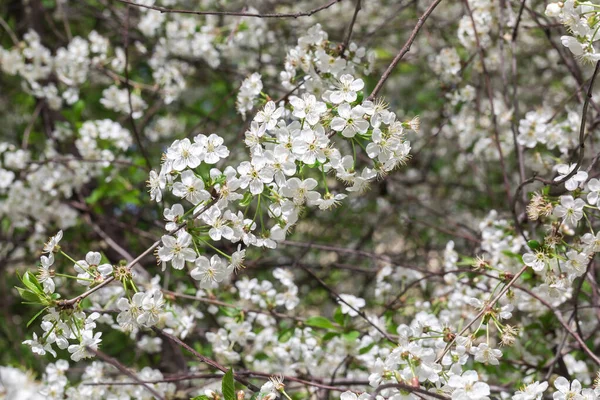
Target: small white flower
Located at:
point(573, 182)
point(156, 182)
point(308, 108)
point(577, 263)
point(176, 249)
point(533, 391)
point(569, 209)
point(349, 300)
point(209, 273)
point(212, 148)
point(51, 245)
point(537, 261)
point(39, 348)
point(90, 268)
point(152, 305)
point(350, 121)
point(269, 115)
point(191, 188)
point(467, 387)
point(173, 215)
point(347, 88)
point(88, 340)
point(593, 186)
point(301, 191)
point(566, 390)
point(484, 354)
point(184, 154)
point(45, 273)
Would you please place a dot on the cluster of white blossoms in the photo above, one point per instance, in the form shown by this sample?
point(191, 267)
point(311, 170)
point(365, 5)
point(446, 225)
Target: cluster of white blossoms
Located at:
point(55, 384)
point(34, 185)
point(570, 242)
point(67, 326)
point(294, 147)
point(540, 128)
point(580, 18)
point(58, 78)
point(251, 88)
point(71, 66)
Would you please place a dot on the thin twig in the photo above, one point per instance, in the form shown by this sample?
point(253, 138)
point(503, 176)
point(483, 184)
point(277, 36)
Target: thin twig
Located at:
point(490, 93)
point(405, 49)
point(409, 388)
point(124, 370)
point(206, 360)
point(138, 138)
point(10, 32)
point(29, 127)
point(485, 309)
point(234, 13)
point(340, 299)
point(350, 28)
point(77, 299)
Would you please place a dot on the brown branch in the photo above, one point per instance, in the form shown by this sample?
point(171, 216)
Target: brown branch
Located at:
point(409, 388)
point(10, 32)
point(234, 13)
point(228, 305)
point(350, 28)
point(337, 296)
point(77, 299)
point(136, 133)
point(316, 382)
point(29, 127)
point(206, 360)
point(66, 160)
point(124, 370)
point(405, 49)
point(490, 94)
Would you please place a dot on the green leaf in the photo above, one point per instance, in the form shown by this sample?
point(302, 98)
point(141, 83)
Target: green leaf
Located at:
point(28, 295)
point(351, 336)
point(31, 282)
point(533, 244)
point(201, 397)
point(35, 316)
point(228, 386)
point(468, 261)
point(330, 335)
point(320, 322)
point(366, 349)
point(230, 312)
point(339, 317)
point(286, 335)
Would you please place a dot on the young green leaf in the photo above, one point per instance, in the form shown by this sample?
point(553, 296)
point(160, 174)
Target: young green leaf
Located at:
point(228, 385)
point(320, 322)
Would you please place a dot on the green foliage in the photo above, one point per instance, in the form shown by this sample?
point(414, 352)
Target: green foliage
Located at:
point(228, 385)
point(320, 322)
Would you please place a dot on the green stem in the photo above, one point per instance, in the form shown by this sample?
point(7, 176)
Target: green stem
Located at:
point(215, 249)
point(76, 263)
point(73, 277)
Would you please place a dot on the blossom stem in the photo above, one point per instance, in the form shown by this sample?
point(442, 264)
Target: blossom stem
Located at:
point(73, 277)
point(76, 263)
point(215, 249)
